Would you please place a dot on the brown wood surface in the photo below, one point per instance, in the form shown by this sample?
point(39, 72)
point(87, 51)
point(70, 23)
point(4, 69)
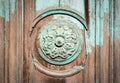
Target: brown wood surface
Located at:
point(17, 43)
point(2, 50)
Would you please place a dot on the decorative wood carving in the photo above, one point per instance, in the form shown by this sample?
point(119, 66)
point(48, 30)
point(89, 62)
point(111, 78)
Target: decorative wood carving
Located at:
point(59, 41)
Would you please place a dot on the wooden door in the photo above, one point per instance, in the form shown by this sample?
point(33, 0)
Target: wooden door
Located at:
point(93, 23)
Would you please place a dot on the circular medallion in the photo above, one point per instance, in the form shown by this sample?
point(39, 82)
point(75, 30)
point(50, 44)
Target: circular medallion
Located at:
point(60, 42)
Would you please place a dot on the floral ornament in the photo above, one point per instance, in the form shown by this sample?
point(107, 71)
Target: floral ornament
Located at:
point(60, 42)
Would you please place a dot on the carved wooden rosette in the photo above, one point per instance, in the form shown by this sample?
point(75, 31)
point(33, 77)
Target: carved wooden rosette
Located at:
point(59, 40)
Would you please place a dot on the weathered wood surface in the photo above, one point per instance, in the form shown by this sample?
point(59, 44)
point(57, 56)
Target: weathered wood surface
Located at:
point(103, 41)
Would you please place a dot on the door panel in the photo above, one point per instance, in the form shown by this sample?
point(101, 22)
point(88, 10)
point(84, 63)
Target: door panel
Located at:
point(20, 25)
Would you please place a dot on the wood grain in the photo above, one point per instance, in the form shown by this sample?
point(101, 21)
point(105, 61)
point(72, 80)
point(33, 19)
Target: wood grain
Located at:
point(16, 45)
point(116, 57)
point(19, 41)
point(2, 50)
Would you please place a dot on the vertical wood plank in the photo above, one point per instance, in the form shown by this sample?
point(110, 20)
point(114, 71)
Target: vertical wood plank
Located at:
point(2, 50)
point(31, 66)
point(7, 39)
point(117, 42)
point(77, 5)
point(111, 36)
point(104, 40)
point(98, 47)
point(19, 40)
point(12, 43)
point(89, 73)
point(27, 29)
point(104, 25)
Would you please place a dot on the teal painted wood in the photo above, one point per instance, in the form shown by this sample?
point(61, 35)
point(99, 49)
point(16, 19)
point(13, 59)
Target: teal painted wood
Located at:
point(40, 6)
point(116, 36)
point(90, 44)
point(12, 5)
point(7, 10)
point(77, 5)
point(1, 8)
point(117, 19)
point(7, 7)
point(63, 11)
point(90, 35)
point(4, 9)
point(95, 36)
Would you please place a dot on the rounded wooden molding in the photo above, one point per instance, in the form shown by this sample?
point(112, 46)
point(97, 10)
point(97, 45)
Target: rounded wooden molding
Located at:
point(56, 11)
point(61, 74)
point(59, 42)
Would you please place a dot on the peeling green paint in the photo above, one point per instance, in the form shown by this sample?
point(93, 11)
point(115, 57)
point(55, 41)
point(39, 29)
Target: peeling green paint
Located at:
point(2, 8)
point(43, 4)
point(117, 20)
point(66, 17)
point(74, 4)
point(99, 22)
point(105, 15)
point(39, 5)
point(64, 12)
point(7, 11)
point(101, 19)
point(77, 5)
point(5, 8)
point(12, 6)
point(90, 35)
